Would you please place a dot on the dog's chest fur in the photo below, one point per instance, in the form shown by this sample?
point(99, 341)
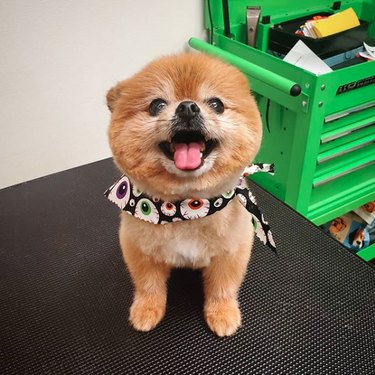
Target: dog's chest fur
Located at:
point(190, 243)
point(186, 251)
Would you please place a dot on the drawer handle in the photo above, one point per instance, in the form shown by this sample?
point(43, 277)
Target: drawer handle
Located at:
point(344, 173)
point(270, 78)
point(344, 152)
point(337, 116)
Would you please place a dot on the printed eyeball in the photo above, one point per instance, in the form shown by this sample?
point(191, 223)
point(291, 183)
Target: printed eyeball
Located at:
point(136, 191)
point(242, 199)
point(242, 183)
point(194, 208)
point(229, 194)
point(218, 202)
point(258, 229)
point(146, 210)
point(252, 197)
point(168, 209)
point(270, 239)
point(120, 193)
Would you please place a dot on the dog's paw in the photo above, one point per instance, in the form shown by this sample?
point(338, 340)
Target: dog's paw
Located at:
point(146, 314)
point(223, 317)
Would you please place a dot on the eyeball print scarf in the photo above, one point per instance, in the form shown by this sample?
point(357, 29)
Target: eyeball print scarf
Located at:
point(153, 210)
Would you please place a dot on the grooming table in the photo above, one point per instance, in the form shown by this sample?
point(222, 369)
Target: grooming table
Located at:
point(65, 294)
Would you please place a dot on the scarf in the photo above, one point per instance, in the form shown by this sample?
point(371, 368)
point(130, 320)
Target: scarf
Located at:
point(153, 210)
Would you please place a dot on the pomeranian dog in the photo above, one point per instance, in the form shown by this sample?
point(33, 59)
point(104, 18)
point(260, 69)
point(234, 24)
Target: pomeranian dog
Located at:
point(185, 126)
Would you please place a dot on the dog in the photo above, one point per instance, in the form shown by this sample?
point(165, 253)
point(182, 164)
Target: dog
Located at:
point(185, 126)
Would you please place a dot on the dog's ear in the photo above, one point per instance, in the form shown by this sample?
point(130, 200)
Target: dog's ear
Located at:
point(113, 94)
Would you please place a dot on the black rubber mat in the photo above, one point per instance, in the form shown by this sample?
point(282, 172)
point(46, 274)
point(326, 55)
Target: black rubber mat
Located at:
point(65, 294)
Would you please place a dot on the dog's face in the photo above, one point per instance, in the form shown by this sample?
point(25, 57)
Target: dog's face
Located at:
point(337, 225)
point(186, 125)
point(370, 207)
point(358, 238)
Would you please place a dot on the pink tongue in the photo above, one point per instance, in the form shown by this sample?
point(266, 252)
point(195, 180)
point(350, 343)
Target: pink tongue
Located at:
point(187, 156)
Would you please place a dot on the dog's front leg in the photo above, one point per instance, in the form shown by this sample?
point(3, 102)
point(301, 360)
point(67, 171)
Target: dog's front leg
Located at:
point(222, 279)
point(150, 282)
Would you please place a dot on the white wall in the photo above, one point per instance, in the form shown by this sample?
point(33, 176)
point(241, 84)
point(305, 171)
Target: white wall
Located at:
point(57, 60)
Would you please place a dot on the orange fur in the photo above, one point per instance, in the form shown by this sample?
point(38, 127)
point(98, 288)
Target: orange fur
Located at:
point(219, 244)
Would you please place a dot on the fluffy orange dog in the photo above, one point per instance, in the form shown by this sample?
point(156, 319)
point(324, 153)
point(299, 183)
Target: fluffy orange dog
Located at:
point(186, 126)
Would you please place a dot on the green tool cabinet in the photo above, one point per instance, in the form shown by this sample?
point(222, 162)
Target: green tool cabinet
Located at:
point(318, 130)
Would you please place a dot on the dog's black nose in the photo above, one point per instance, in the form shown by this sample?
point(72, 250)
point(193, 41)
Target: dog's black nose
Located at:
point(187, 110)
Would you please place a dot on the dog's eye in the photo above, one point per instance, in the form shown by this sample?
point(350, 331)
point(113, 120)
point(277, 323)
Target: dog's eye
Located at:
point(216, 104)
point(156, 106)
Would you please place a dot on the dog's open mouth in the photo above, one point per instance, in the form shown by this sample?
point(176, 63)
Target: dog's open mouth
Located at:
point(188, 149)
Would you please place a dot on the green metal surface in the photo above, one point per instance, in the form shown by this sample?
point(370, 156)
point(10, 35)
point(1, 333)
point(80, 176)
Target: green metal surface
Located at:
point(253, 71)
point(322, 143)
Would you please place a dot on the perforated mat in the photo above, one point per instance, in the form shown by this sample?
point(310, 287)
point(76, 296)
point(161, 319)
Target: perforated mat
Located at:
point(65, 294)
